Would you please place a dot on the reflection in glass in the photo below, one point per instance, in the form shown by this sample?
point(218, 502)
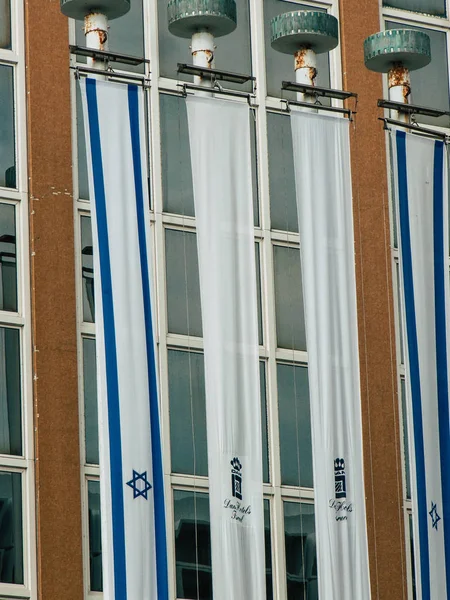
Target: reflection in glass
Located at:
point(429, 7)
point(283, 203)
point(192, 545)
point(232, 54)
point(90, 401)
point(5, 24)
point(11, 535)
point(187, 413)
point(126, 35)
point(295, 426)
point(268, 551)
point(7, 141)
point(95, 537)
point(183, 286)
point(289, 313)
point(413, 566)
point(178, 195)
point(83, 184)
point(300, 546)
point(8, 263)
point(280, 67)
point(405, 439)
point(87, 271)
point(430, 84)
point(10, 392)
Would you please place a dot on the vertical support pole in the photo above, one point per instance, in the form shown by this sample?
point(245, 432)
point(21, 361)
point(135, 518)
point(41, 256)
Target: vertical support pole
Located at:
point(202, 48)
point(399, 89)
point(305, 72)
point(96, 32)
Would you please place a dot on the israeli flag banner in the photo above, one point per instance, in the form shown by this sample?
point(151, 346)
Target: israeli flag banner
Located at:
point(421, 192)
point(131, 475)
point(325, 214)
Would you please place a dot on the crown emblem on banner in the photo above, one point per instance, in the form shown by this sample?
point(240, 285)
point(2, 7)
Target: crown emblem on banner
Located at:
point(236, 464)
point(339, 464)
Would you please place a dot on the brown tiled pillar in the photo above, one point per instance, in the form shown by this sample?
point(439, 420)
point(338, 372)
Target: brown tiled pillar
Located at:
point(58, 499)
point(381, 432)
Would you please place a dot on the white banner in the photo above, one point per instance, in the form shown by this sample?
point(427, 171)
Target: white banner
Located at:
point(219, 132)
point(131, 478)
point(324, 203)
point(422, 216)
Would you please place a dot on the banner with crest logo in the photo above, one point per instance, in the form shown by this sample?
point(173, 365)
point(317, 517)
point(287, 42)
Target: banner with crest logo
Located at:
point(324, 204)
point(219, 132)
point(420, 177)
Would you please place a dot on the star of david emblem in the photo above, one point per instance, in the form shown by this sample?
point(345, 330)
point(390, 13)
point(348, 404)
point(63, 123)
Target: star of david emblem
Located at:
point(435, 518)
point(139, 484)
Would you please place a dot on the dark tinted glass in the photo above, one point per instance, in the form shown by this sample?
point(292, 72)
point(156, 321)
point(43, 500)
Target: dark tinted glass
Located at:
point(429, 7)
point(10, 392)
point(295, 426)
point(8, 262)
point(5, 24)
point(87, 270)
point(11, 535)
point(289, 311)
point(7, 141)
point(268, 551)
point(95, 537)
point(283, 203)
point(83, 184)
point(192, 545)
point(90, 401)
point(300, 545)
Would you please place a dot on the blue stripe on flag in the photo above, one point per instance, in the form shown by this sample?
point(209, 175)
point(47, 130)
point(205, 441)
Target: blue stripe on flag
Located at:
point(115, 442)
point(158, 480)
point(413, 354)
point(440, 273)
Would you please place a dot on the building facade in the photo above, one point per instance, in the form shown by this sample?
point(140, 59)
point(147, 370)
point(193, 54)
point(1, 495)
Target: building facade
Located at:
point(50, 545)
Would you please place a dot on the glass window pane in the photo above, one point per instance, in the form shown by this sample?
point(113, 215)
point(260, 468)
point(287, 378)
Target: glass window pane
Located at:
point(5, 24)
point(290, 318)
point(429, 7)
point(83, 184)
point(400, 313)
point(182, 281)
point(232, 54)
point(90, 401)
point(405, 439)
point(8, 263)
point(178, 195)
point(300, 546)
point(295, 426)
point(192, 545)
point(187, 413)
point(280, 67)
point(126, 35)
point(268, 551)
point(10, 392)
point(87, 270)
point(95, 537)
point(259, 293)
point(430, 85)
point(11, 535)
point(283, 203)
point(264, 421)
point(7, 141)
point(411, 546)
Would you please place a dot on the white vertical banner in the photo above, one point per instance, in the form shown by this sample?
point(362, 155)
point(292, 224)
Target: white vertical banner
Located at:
point(131, 477)
point(219, 133)
point(324, 203)
point(420, 177)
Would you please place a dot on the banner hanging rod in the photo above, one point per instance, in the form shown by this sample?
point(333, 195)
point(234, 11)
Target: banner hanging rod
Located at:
point(80, 71)
point(417, 129)
point(336, 109)
point(215, 90)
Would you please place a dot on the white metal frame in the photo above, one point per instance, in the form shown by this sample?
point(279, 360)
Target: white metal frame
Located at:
point(275, 492)
point(21, 320)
